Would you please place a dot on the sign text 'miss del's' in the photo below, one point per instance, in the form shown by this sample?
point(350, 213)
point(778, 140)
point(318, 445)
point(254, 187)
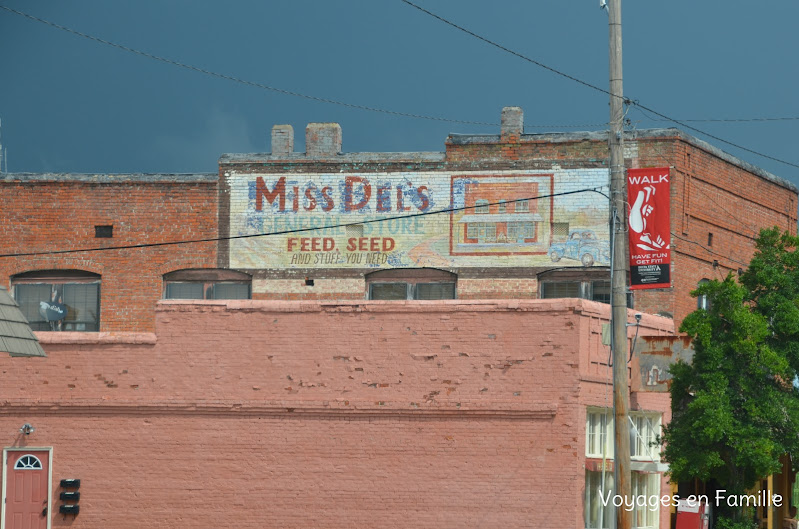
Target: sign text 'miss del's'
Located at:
point(356, 194)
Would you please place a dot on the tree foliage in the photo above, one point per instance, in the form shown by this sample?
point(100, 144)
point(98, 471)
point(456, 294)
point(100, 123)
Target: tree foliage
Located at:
point(735, 409)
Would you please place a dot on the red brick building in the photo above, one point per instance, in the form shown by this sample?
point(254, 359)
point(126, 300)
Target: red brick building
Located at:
point(332, 410)
point(253, 414)
point(374, 225)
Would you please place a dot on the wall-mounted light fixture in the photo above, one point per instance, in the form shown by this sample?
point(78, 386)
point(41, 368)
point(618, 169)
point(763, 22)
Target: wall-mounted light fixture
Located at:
point(27, 429)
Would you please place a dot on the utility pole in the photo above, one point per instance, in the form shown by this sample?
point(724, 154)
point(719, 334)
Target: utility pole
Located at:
point(618, 226)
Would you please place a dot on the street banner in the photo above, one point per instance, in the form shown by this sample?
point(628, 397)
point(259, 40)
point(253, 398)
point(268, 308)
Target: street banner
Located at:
point(650, 237)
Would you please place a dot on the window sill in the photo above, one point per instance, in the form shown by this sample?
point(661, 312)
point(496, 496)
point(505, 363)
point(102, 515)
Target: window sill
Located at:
point(82, 337)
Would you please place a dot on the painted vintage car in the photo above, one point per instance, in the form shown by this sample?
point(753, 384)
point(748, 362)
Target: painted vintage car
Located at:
point(582, 245)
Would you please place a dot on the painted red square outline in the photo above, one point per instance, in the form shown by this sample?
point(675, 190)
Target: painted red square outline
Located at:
point(452, 213)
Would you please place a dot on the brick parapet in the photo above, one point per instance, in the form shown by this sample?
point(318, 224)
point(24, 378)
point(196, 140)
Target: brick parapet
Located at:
point(458, 406)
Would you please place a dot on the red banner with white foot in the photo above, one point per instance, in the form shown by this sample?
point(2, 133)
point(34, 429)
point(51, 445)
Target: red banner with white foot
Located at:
point(649, 227)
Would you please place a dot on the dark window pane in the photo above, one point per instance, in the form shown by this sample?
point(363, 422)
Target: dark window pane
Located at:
point(388, 291)
point(601, 291)
point(82, 302)
point(28, 297)
point(435, 291)
point(184, 291)
point(83, 306)
point(229, 291)
point(562, 289)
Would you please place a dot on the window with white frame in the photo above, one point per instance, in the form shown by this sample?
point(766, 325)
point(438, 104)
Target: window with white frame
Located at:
point(522, 206)
point(481, 207)
point(701, 300)
point(597, 486)
point(599, 433)
point(28, 462)
point(648, 486)
point(601, 514)
point(644, 431)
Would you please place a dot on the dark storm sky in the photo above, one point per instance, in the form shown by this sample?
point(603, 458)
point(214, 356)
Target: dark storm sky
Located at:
point(69, 104)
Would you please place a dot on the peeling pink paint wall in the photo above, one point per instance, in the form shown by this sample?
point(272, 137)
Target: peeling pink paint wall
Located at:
point(303, 414)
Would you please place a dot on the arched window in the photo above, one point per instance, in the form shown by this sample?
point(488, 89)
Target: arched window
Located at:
point(203, 283)
point(701, 300)
point(28, 462)
point(59, 300)
point(593, 284)
point(411, 283)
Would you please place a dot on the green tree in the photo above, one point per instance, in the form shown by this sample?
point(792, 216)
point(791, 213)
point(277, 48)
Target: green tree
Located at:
point(735, 409)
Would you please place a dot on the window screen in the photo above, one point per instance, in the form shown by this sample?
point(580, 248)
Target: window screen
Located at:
point(435, 291)
point(83, 306)
point(184, 291)
point(601, 291)
point(28, 298)
point(561, 289)
point(82, 302)
point(388, 291)
point(229, 291)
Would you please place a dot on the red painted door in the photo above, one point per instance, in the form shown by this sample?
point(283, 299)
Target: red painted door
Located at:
point(26, 489)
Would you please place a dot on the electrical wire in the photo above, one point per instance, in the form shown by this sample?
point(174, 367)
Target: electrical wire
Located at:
point(668, 161)
point(708, 249)
point(300, 230)
point(626, 100)
point(732, 120)
point(507, 50)
point(641, 107)
point(243, 81)
point(280, 90)
point(263, 86)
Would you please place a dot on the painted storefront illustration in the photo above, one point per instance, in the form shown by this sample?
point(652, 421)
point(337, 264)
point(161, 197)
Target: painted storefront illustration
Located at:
point(418, 219)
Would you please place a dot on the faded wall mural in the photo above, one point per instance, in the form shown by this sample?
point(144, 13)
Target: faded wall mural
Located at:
point(418, 219)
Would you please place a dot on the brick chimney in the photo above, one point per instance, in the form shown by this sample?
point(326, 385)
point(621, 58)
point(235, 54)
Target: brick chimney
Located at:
point(512, 123)
point(322, 139)
point(282, 140)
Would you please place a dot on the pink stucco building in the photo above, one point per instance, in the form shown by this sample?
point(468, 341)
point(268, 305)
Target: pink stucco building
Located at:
point(253, 414)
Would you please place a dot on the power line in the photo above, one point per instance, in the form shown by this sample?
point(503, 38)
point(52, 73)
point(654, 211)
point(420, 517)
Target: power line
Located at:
point(300, 230)
point(242, 81)
point(275, 89)
point(666, 159)
point(507, 50)
point(708, 249)
point(413, 115)
point(732, 120)
point(683, 124)
point(627, 100)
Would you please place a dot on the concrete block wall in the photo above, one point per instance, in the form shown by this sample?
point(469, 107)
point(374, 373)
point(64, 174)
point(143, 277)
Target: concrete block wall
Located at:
point(287, 414)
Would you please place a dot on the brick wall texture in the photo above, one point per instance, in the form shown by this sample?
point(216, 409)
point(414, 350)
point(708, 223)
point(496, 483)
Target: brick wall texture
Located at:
point(54, 213)
point(718, 205)
point(254, 414)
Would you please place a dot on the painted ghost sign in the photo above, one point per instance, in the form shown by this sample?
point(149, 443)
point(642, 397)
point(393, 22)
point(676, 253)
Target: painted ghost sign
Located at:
point(650, 235)
point(411, 219)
